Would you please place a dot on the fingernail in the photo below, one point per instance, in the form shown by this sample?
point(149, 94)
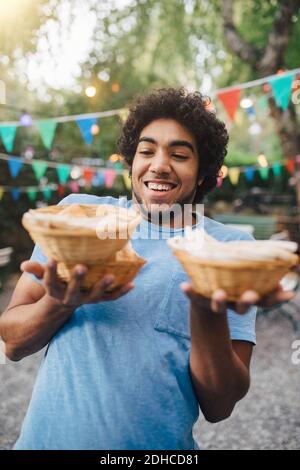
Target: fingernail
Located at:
point(108, 280)
point(80, 270)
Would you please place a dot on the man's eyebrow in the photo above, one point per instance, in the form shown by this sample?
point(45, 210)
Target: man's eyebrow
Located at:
point(147, 139)
point(182, 143)
point(173, 143)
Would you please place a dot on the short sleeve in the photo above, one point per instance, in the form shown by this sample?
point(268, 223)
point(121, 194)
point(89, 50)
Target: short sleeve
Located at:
point(242, 327)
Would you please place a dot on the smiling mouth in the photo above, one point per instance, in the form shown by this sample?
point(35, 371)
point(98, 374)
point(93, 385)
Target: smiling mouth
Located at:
point(160, 187)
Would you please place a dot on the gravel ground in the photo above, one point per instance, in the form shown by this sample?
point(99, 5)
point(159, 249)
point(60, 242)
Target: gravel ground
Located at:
point(268, 418)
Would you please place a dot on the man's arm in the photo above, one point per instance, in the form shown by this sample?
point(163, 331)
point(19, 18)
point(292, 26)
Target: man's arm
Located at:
point(37, 311)
point(219, 368)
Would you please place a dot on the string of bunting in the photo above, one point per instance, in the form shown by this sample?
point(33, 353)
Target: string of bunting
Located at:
point(280, 85)
point(233, 173)
point(72, 175)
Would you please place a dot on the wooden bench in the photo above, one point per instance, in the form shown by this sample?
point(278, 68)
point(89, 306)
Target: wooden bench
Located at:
point(264, 225)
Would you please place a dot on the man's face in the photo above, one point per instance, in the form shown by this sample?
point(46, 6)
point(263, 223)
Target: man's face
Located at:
point(165, 166)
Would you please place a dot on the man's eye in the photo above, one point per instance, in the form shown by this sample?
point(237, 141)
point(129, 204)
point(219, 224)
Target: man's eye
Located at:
point(145, 152)
point(180, 157)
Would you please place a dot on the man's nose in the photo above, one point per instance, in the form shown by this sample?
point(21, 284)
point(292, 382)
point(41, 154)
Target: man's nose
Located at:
point(160, 163)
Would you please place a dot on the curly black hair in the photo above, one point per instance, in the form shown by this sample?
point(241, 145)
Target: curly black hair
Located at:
point(191, 111)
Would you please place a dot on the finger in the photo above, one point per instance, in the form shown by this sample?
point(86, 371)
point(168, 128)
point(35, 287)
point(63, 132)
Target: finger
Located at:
point(275, 298)
point(33, 268)
point(101, 286)
point(50, 279)
point(198, 301)
point(247, 300)
point(219, 301)
point(73, 291)
point(117, 293)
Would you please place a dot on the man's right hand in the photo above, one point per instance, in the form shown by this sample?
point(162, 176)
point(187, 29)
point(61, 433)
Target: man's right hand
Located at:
point(70, 294)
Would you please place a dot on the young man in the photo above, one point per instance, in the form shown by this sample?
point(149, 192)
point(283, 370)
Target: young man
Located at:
point(130, 371)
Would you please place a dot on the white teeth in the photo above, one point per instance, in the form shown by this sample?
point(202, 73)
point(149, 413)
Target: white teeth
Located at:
point(159, 187)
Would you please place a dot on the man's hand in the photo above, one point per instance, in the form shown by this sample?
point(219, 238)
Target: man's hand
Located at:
point(219, 303)
point(71, 294)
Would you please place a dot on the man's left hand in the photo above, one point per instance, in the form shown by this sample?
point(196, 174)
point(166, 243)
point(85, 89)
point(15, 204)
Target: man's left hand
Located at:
point(218, 303)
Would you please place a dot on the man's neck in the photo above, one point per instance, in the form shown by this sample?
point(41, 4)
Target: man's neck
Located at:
point(167, 219)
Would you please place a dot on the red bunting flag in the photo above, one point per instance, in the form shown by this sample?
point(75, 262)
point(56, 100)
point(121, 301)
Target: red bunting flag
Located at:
point(230, 100)
point(61, 190)
point(290, 166)
point(88, 174)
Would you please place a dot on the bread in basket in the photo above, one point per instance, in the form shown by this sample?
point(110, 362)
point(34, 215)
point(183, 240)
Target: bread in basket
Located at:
point(90, 234)
point(234, 266)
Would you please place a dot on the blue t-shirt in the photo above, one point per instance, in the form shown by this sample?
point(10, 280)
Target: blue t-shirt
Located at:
point(116, 375)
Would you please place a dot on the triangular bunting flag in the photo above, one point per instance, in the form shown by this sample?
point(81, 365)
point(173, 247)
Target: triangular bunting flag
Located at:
point(282, 89)
point(219, 181)
point(14, 166)
point(101, 178)
point(276, 168)
point(8, 134)
point(124, 113)
point(74, 186)
point(234, 174)
point(290, 166)
point(1, 192)
point(15, 193)
point(230, 100)
point(32, 194)
point(85, 126)
point(61, 189)
point(109, 175)
point(249, 173)
point(264, 173)
point(47, 193)
point(47, 130)
point(88, 174)
point(39, 168)
point(127, 180)
point(63, 172)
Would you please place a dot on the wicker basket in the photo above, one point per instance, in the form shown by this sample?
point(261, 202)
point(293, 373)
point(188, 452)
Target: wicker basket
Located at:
point(233, 277)
point(71, 246)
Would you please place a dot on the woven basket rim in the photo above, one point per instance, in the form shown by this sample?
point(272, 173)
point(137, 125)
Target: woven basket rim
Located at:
point(237, 265)
point(57, 232)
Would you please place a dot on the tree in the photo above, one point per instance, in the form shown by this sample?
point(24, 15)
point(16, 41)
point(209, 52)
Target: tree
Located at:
point(267, 60)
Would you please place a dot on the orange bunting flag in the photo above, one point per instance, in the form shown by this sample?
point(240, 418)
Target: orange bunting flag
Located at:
point(230, 100)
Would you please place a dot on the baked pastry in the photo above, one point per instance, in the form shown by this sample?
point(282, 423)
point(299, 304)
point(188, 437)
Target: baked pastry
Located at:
point(234, 266)
point(88, 234)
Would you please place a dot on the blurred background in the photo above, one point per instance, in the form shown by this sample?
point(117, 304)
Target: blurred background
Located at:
point(69, 69)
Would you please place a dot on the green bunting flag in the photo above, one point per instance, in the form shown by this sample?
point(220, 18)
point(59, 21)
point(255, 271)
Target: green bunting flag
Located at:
point(264, 173)
point(282, 89)
point(39, 168)
point(63, 172)
point(8, 134)
point(47, 130)
point(276, 168)
point(47, 193)
point(32, 194)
